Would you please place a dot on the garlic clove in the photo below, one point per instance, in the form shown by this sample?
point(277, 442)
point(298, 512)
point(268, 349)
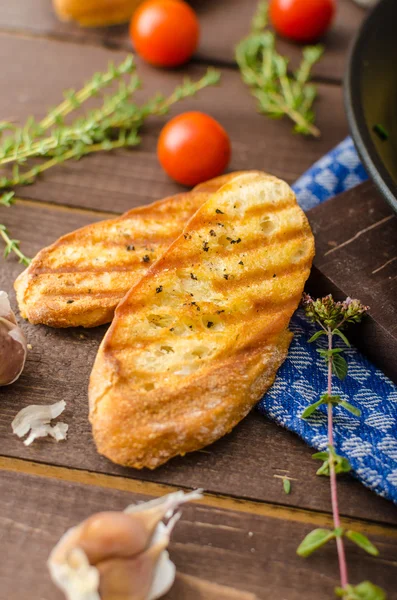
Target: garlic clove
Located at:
point(114, 545)
point(13, 348)
point(133, 579)
point(5, 308)
point(115, 534)
point(126, 578)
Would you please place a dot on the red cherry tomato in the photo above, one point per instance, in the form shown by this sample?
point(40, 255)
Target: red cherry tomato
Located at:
point(302, 20)
point(193, 147)
point(165, 33)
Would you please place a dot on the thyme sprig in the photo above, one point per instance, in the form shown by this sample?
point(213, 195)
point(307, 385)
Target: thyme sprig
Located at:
point(12, 246)
point(265, 71)
point(332, 317)
point(115, 123)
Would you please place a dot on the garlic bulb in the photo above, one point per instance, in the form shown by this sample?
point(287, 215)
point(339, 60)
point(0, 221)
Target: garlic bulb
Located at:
point(119, 554)
point(13, 348)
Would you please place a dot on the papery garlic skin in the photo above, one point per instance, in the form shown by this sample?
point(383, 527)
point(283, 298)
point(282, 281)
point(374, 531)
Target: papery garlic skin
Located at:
point(75, 576)
point(36, 419)
point(141, 570)
point(13, 347)
point(165, 571)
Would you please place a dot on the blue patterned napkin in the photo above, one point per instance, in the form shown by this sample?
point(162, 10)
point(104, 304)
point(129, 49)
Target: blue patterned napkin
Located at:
point(368, 441)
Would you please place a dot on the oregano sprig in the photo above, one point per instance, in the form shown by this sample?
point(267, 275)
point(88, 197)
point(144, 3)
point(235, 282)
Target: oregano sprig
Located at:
point(265, 71)
point(115, 123)
point(332, 317)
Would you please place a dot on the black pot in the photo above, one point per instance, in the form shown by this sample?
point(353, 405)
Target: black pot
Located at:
point(371, 96)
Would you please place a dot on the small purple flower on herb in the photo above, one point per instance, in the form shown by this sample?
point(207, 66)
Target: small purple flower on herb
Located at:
point(331, 313)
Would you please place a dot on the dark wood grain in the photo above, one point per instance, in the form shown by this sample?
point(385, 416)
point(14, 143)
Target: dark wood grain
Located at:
point(223, 24)
point(216, 555)
point(117, 181)
point(356, 243)
point(242, 464)
point(240, 551)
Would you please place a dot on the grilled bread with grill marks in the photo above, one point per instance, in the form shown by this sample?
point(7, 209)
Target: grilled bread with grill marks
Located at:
point(80, 279)
point(198, 340)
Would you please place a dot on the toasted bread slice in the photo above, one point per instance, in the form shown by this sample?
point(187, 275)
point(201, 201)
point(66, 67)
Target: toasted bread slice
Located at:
point(195, 344)
point(80, 279)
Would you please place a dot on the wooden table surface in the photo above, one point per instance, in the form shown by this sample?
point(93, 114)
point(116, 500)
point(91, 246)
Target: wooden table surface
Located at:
point(240, 540)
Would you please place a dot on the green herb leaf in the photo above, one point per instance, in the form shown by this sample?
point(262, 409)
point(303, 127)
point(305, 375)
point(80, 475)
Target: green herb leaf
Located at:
point(12, 246)
point(317, 335)
point(265, 71)
point(339, 366)
point(286, 485)
point(381, 132)
point(314, 540)
point(311, 409)
point(7, 199)
point(324, 469)
point(355, 411)
point(329, 352)
point(341, 464)
point(325, 399)
point(361, 540)
point(342, 337)
point(320, 456)
point(260, 19)
point(363, 591)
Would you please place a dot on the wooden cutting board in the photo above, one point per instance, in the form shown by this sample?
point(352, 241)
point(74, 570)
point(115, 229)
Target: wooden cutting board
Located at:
point(356, 245)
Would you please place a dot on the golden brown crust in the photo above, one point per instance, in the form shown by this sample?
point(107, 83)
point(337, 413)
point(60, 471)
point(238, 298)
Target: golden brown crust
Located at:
point(198, 340)
point(135, 432)
point(80, 279)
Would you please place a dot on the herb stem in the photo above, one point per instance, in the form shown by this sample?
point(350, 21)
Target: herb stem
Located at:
point(92, 87)
point(72, 134)
point(278, 92)
point(294, 115)
point(332, 473)
point(75, 153)
point(115, 123)
point(286, 108)
point(13, 246)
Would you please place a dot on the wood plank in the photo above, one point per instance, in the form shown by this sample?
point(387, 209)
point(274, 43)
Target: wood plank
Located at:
point(223, 24)
point(58, 368)
point(357, 253)
point(151, 488)
point(118, 181)
point(238, 551)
